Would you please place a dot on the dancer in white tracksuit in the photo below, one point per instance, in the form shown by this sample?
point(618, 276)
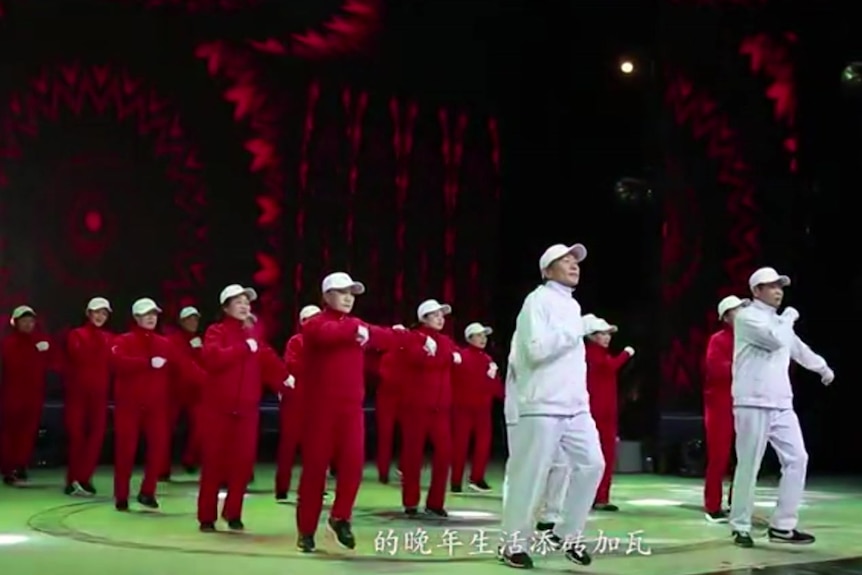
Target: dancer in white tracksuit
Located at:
point(764, 343)
point(551, 503)
point(553, 411)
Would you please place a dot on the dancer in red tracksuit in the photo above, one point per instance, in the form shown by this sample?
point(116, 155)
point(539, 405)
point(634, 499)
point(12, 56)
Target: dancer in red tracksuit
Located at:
point(143, 363)
point(334, 345)
point(602, 368)
point(388, 398)
point(475, 383)
point(718, 410)
point(290, 408)
point(427, 404)
point(238, 366)
point(87, 383)
point(26, 359)
point(184, 395)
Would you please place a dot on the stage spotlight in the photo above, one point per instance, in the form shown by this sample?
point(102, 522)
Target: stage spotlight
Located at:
point(627, 67)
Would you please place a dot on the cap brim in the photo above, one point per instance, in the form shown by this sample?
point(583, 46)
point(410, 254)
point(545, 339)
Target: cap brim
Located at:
point(446, 309)
point(156, 309)
point(579, 251)
point(250, 293)
point(484, 331)
point(356, 288)
point(98, 307)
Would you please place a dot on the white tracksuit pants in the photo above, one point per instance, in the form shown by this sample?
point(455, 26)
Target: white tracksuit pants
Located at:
point(551, 502)
point(755, 428)
point(536, 442)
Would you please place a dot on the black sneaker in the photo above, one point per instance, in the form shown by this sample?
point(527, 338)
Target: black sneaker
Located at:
point(411, 512)
point(791, 536)
point(148, 501)
point(305, 543)
point(121, 505)
point(577, 555)
point(164, 477)
point(743, 539)
point(480, 486)
point(456, 488)
point(10, 480)
point(718, 516)
point(281, 495)
point(605, 507)
point(340, 529)
point(437, 512)
point(21, 473)
point(207, 527)
point(88, 488)
point(547, 529)
point(235, 525)
point(517, 560)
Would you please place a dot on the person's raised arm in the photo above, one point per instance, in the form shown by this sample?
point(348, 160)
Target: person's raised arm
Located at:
point(293, 356)
point(770, 334)
point(541, 340)
point(218, 355)
point(273, 371)
point(125, 360)
point(322, 331)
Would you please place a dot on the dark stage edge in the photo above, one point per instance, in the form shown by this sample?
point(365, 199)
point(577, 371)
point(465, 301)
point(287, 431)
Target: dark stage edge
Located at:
point(43, 531)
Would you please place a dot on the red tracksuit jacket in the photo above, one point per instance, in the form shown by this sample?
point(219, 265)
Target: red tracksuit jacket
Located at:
point(430, 383)
point(24, 368)
point(393, 372)
point(471, 386)
point(719, 363)
point(293, 359)
point(138, 383)
point(236, 375)
point(334, 362)
point(88, 359)
point(602, 368)
point(184, 389)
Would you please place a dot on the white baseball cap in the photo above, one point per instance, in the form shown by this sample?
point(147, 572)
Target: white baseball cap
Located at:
point(234, 290)
point(98, 303)
point(593, 324)
point(476, 328)
point(20, 312)
point(767, 276)
point(727, 304)
point(430, 306)
point(189, 311)
point(144, 306)
point(341, 280)
point(557, 251)
point(308, 311)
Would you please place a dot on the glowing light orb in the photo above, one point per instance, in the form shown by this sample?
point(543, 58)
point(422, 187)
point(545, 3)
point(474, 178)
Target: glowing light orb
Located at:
point(627, 67)
point(93, 221)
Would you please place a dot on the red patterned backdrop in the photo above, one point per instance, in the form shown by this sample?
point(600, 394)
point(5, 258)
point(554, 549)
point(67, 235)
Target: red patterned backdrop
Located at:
point(105, 189)
point(731, 147)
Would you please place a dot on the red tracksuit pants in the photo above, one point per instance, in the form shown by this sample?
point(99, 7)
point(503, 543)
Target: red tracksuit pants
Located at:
point(387, 417)
point(607, 427)
point(19, 424)
point(289, 440)
point(228, 456)
point(421, 425)
point(470, 422)
point(86, 415)
point(333, 434)
point(131, 422)
point(192, 451)
point(718, 421)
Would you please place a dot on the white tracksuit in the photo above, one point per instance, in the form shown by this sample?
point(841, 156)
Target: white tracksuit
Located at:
point(764, 344)
point(553, 416)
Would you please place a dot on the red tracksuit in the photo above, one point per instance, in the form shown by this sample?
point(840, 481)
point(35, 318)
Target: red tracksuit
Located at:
point(141, 404)
point(602, 368)
point(230, 411)
point(392, 376)
point(290, 412)
point(333, 396)
point(87, 383)
point(184, 398)
point(718, 415)
point(22, 395)
point(472, 395)
point(426, 406)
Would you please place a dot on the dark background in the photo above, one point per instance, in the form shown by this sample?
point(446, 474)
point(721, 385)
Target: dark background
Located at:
point(570, 125)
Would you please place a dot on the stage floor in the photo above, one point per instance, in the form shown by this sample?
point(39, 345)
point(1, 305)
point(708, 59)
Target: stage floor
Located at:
point(44, 531)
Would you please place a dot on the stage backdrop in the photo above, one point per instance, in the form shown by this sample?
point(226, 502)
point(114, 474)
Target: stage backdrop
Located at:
point(127, 172)
point(730, 170)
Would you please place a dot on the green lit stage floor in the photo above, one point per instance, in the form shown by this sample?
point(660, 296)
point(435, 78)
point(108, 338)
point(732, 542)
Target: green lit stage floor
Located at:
point(43, 531)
